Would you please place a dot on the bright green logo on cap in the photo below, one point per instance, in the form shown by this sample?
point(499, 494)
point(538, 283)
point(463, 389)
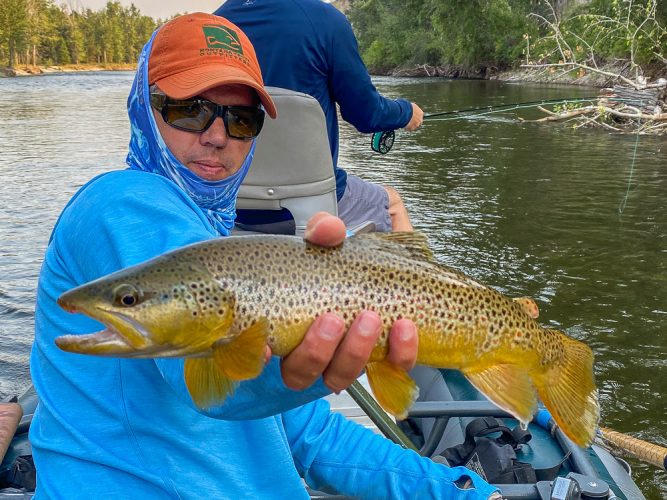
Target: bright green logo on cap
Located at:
point(221, 37)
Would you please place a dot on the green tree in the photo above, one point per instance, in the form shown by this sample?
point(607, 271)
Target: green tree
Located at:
point(603, 30)
point(39, 31)
point(462, 32)
point(14, 28)
point(74, 38)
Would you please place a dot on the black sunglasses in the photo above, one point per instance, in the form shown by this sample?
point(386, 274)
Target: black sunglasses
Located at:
point(197, 115)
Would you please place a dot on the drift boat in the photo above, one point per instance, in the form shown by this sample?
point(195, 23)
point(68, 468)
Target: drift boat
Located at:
point(547, 464)
point(451, 422)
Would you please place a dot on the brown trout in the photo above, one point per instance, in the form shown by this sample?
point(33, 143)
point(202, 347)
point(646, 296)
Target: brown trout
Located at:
point(219, 302)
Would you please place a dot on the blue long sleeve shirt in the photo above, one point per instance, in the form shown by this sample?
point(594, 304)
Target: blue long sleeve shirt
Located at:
point(127, 428)
point(309, 46)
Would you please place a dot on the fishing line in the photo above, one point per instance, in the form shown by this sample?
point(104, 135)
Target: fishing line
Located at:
point(510, 107)
point(382, 142)
point(624, 202)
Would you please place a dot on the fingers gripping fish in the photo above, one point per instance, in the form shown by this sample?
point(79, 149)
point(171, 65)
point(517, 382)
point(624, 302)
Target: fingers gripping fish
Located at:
point(219, 302)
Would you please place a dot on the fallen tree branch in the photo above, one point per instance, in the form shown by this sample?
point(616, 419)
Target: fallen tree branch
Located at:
point(548, 112)
point(628, 118)
point(606, 125)
point(586, 68)
point(654, 128)
point(620, 114)
point(588, 121)
point(564, 116)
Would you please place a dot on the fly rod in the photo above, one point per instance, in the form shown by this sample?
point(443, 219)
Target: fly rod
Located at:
point(378, 416)
point(382, 142)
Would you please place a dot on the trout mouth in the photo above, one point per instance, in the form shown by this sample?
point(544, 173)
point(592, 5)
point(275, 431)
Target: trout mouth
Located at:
point(118, 339)
point(123, 335)
point(107, 342)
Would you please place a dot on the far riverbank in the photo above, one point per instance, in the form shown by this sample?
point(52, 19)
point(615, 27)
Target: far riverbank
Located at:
point(65, 68)
point(543, 75)
point(528, 75)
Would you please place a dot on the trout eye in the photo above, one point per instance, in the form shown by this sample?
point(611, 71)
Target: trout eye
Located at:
point(127, 296)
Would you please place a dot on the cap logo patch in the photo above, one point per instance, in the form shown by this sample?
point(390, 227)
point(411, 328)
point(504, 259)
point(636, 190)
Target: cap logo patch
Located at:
point(221, 37)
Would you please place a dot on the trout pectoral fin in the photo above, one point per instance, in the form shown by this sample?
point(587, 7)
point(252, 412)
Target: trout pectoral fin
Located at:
point(206, 384)
point(568, 391)
point(509, 387)
point(529, 306)
point(392, 387)
point(243, 357)
point(210, 330)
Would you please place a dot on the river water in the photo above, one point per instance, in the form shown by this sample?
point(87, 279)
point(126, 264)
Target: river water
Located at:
point(575, 218)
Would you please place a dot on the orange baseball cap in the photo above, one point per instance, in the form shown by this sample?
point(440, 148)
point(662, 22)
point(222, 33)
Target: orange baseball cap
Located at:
point(196, 52)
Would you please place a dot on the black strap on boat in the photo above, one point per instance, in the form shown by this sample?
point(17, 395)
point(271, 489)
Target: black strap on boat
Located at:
point(22, 474)
point(494, 458)
point(481, 427)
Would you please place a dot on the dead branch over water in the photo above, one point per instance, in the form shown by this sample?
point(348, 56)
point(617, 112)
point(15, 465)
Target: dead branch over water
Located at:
point(620, 109)
point(633, 104)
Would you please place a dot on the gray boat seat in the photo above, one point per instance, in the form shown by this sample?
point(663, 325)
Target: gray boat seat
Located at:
point(292, 172)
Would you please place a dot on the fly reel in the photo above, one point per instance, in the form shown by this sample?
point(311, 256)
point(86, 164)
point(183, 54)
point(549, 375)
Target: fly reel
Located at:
point(381, 142)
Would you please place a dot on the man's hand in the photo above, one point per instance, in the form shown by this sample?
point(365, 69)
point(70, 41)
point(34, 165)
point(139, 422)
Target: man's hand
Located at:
point(327, 349)
point(416, 120)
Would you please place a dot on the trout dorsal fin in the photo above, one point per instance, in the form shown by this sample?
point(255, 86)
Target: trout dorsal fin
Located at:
point(415, 244)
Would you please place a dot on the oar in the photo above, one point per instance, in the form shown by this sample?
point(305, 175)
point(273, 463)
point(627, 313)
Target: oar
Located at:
point(648, 452)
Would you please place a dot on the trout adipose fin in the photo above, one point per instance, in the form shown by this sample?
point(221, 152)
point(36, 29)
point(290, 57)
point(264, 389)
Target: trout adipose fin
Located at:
point(529, 306)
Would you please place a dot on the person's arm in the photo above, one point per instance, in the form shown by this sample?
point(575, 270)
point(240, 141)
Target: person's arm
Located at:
point(360, 103)
point(333, 453)
point(128, 217)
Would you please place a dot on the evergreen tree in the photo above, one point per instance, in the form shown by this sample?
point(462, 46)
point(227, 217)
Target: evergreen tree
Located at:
point(14, 28)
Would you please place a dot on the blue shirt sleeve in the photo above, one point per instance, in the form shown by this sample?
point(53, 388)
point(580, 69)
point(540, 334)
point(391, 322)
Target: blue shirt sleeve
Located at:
point(331, 452)
point(360, 103)
point(124, 218)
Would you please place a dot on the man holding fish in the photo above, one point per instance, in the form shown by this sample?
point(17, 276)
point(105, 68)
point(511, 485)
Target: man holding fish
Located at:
point(126, 428)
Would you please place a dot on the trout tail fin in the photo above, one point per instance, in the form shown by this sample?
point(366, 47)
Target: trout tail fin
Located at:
point(567, 389)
